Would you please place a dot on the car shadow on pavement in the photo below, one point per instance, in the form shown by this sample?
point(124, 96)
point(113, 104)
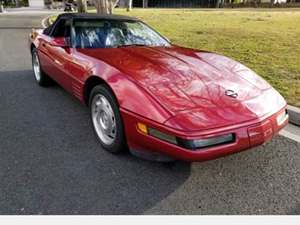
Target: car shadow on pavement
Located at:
point(295, 211)
point(51, 162)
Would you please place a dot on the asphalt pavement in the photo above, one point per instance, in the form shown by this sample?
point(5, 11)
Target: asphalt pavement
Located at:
point(51, 163)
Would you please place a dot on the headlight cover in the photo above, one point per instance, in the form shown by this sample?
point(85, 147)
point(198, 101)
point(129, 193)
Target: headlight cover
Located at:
point(193, 145)
point(206, 142)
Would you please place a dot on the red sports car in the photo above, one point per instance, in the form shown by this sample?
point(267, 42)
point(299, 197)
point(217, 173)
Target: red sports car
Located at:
point(160, 100)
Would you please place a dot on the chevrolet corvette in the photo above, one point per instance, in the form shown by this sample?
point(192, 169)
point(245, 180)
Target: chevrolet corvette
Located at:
point(159, 100)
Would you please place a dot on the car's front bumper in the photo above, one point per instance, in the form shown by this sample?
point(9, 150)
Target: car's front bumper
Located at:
point(247, 135)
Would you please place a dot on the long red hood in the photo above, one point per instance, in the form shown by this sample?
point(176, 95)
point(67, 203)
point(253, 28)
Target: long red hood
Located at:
point(191, 85)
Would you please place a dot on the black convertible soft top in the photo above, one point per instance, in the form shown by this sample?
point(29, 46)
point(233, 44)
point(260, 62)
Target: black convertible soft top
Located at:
point(95, 16)
point(48, 30)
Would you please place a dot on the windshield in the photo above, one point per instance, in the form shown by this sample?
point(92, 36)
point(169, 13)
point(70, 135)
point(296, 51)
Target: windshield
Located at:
point(113, 33)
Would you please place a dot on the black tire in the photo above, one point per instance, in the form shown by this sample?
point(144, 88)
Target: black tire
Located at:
point(119, 143)
point(44, 80)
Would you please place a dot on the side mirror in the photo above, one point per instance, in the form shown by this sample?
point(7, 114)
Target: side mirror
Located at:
point(60, 42)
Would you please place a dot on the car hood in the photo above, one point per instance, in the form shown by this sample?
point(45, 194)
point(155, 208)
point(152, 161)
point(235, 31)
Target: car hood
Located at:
point(192, 84)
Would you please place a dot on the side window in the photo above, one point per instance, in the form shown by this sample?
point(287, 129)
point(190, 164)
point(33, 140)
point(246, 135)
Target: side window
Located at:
point(62, 29)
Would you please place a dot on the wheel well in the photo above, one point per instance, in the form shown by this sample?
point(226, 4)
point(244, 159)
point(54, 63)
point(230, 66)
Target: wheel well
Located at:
point(90, 83)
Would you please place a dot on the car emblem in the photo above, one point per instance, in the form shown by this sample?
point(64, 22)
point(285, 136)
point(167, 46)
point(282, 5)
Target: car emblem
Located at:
point(231, 93)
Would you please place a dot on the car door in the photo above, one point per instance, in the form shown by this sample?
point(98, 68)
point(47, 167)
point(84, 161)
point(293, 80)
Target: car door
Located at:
point(60, 55)
point(43, 52)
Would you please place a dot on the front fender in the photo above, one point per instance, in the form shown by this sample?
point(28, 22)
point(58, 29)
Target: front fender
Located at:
point(135, 99)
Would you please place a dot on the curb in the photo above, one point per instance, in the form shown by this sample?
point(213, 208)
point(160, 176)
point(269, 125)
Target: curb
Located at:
point(294, 115)
point(289, 135)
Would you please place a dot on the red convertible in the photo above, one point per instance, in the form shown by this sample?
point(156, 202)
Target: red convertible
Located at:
point(160, 100)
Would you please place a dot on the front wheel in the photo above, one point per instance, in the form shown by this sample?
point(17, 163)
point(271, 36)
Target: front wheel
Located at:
point(106, 119)
point(41, 78)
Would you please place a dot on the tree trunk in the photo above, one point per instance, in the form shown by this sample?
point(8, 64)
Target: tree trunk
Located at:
point(113, 5)
point(1, 7)
point(105, 6)
point(81, 6)
point(145, 3)
point(129, 5)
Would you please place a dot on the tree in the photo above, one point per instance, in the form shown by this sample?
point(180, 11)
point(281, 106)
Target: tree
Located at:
point(129, 5)
point(145, 3)
point(82, 6)
point(220, 3)
point(105, 6)
point(1, 7)
point(17, 3)
point(272, 3)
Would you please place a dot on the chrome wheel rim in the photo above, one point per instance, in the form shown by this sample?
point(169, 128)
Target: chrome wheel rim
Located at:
point(36, 67)
point(104, 120)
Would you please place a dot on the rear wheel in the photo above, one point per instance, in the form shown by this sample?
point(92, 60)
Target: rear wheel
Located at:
point(106, 119)
point(41, 78)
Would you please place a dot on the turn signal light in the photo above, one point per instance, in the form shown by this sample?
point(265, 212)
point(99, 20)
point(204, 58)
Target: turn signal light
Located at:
point(33, 33)
point(142, 128)
point(156, 133)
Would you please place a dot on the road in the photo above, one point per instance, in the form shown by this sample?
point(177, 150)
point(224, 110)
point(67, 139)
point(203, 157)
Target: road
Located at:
point(51, 163)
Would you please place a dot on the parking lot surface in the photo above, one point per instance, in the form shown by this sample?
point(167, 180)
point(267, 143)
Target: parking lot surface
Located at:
point(51, 163)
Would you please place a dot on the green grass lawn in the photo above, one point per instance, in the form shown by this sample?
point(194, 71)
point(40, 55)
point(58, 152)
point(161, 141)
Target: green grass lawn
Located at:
point(267, 41)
